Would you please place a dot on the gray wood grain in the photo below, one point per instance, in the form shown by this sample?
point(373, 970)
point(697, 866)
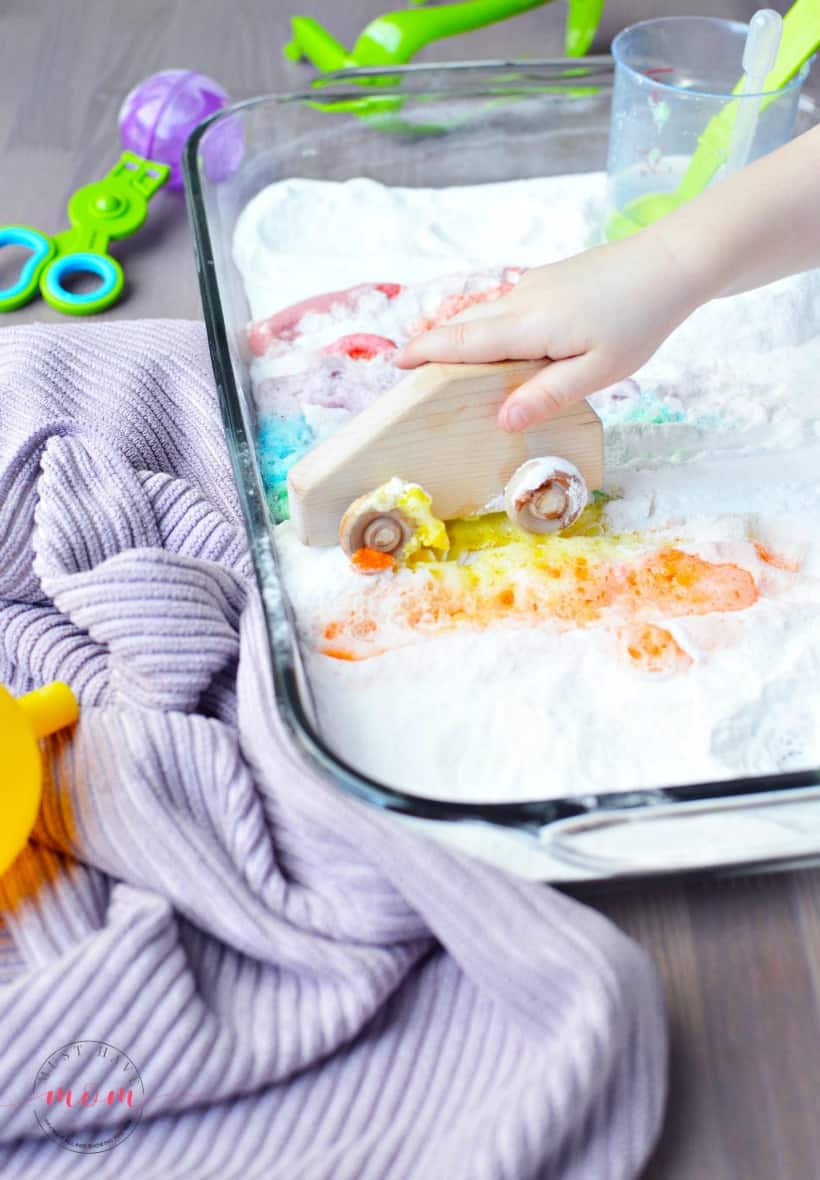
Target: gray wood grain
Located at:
point(740, 959)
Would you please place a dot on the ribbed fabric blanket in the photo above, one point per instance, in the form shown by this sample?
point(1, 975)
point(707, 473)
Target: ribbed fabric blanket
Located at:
point(309, 989)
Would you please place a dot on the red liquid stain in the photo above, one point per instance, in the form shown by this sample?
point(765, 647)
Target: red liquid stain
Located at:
point(360, 346)
point(654, 649)
point(284, 324)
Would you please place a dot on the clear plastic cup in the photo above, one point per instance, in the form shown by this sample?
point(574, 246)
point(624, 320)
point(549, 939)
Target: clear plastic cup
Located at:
point(673, 76)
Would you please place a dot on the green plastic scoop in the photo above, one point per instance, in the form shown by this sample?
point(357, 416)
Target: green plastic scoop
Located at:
point(801, 39)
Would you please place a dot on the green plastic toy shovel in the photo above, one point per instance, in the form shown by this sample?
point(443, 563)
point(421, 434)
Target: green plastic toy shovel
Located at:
point(800, 40)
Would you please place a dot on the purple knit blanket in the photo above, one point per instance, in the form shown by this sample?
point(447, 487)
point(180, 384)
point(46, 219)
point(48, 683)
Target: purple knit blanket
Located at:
point(296, 987)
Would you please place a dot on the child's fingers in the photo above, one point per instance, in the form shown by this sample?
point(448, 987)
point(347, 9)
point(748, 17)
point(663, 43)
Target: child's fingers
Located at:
point(475, 341)
point(557, 386)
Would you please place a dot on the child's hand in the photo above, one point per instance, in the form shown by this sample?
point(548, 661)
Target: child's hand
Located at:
point(597, 317)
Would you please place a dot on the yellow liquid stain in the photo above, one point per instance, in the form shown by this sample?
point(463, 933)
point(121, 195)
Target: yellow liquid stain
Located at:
point(484, 549)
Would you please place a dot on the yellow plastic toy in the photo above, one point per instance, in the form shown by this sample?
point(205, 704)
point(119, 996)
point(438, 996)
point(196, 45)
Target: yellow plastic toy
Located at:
point(23, 721)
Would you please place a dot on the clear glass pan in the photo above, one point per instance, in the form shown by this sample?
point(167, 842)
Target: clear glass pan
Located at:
point(467, 123)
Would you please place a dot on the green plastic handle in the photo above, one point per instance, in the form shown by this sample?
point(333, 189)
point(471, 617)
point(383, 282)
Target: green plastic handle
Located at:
point(583, 19)
point(396, 37)
point(801, 38)
point(313, 41)
point(68, 263)
point(41, 250)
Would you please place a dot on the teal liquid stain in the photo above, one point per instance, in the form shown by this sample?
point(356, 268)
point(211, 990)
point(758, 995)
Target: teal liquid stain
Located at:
point(280, 442)
point(277, 498)
point(648, 409)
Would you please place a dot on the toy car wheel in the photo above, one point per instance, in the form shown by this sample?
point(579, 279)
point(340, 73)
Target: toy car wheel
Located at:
point(362, 527)
point(545, 495)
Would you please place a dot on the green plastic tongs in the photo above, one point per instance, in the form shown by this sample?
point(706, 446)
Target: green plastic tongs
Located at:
point(394, 38)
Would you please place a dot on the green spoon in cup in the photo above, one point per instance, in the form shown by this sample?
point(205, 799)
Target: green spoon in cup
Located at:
point(800, 40)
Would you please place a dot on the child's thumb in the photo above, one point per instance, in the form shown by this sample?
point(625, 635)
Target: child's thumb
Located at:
point(558, 385)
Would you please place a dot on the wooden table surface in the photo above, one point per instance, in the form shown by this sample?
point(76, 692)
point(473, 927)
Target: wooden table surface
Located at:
point(740, 958)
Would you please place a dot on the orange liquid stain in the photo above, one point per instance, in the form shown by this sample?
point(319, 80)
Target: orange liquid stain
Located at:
point(677, 583)
point(654, 649)
point(372, 561)
point(571, 589)
point(352, 657)
point(776, 559)
point(358, 625)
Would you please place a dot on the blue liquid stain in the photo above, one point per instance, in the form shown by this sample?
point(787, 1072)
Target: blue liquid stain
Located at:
point(280, 442)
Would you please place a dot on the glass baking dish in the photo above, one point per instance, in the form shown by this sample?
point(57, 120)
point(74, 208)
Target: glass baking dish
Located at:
point(465, 123)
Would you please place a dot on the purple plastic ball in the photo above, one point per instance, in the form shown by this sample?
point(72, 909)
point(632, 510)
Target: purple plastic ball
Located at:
point(160, 113)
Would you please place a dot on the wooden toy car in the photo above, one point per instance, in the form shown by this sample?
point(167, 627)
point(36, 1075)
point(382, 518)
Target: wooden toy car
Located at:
point(437, 429)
